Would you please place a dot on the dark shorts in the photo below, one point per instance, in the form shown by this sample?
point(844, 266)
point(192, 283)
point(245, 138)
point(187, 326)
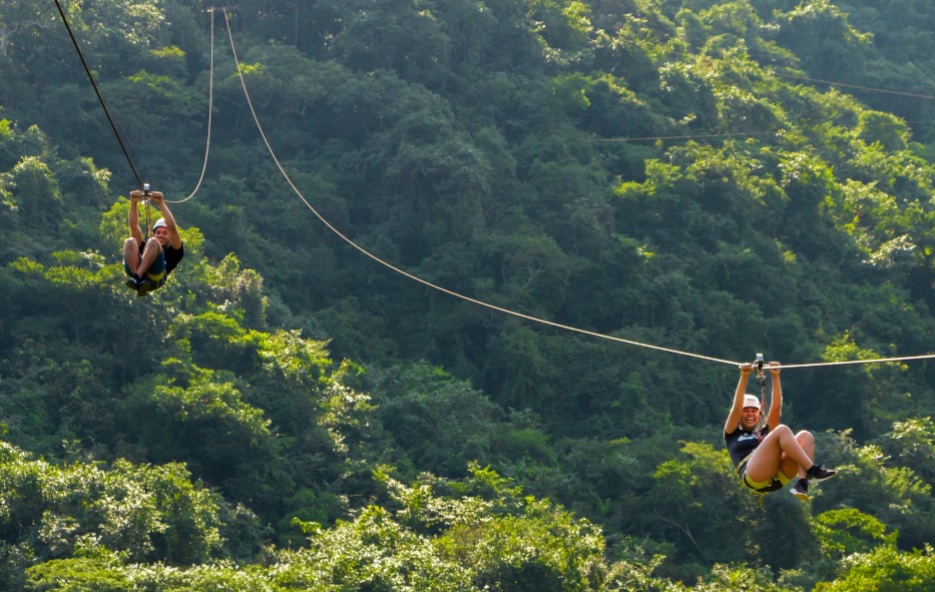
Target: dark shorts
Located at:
point(156, 272)
point(777, 481)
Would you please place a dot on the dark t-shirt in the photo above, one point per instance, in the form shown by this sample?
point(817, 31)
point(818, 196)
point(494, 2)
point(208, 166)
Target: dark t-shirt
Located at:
point(173, 256)
point(741, 443)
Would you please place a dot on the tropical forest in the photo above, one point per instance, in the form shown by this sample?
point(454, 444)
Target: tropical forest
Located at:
point(465, 292)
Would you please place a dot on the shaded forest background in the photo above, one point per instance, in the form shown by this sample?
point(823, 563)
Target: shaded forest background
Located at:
point(722, 178)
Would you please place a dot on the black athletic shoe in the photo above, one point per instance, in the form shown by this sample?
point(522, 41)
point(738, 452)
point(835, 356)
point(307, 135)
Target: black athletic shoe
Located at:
point(800, 490)
point(818, 473)
point(145, 285)
point(132, 283)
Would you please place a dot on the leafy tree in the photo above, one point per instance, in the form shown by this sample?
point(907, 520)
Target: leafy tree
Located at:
point(394, 35)
point(441, 423)
point(492, 147)
point(885, 568)
point(821, 33)
point(911, 443)
point(883, 128)
point(847, 531)
point(140, 512)
point(894, 495)
point(686, 493)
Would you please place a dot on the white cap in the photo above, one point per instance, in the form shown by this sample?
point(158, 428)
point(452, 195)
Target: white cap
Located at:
point(750, 401)
point(159, 222)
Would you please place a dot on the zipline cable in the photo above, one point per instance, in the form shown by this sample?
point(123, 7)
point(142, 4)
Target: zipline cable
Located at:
point(417, 279)
point(683, 137)
point(389, 265)
point(100, 98)
point(857, 86)
point(742, 134)
point(204, 165)
point(487, 305)
point(852, 362)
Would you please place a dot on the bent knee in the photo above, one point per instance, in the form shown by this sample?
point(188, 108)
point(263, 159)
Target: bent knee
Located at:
point(805, 436)
point(153, 245)
point(782, 429)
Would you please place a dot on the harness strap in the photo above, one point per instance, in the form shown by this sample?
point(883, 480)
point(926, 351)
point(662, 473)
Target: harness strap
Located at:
point(761, 377)
point(146, 235)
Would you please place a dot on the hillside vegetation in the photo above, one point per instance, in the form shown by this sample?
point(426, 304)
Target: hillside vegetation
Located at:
point(717, 179)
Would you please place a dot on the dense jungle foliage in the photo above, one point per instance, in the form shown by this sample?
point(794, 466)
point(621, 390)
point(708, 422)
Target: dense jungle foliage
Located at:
point(715, 177)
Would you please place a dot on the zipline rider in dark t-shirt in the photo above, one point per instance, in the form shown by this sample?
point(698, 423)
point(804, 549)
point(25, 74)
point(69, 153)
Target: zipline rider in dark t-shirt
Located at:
point(149, 263)
point(769, 457)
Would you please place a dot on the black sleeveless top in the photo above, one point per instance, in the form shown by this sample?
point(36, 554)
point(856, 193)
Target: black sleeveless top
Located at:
point(740, 443)
point(173, 256)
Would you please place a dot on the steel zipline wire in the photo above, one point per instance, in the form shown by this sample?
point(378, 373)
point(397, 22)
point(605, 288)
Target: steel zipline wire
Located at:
point(415, 278)
point(113, 125)
point(857, 86)
point(754, 133)
point(390, 266)
point(204, 165)
point(100, 98)
point(488, 305)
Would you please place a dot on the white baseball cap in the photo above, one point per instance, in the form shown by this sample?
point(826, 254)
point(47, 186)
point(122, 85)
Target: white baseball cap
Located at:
point(159, 222)
point(750, 401)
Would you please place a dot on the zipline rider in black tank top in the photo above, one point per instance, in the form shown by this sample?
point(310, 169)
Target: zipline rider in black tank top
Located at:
point(769, 457)
point(148, 263)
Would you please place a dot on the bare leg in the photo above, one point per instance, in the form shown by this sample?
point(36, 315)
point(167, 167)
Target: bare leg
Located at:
point(131, 255)
point(149, 255)
point(779, 446)
point(789, 467)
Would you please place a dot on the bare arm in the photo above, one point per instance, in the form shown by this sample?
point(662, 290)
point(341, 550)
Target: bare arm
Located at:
point(733, 418)
point(133, 218)
point(175, 238)
point(775, 403)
